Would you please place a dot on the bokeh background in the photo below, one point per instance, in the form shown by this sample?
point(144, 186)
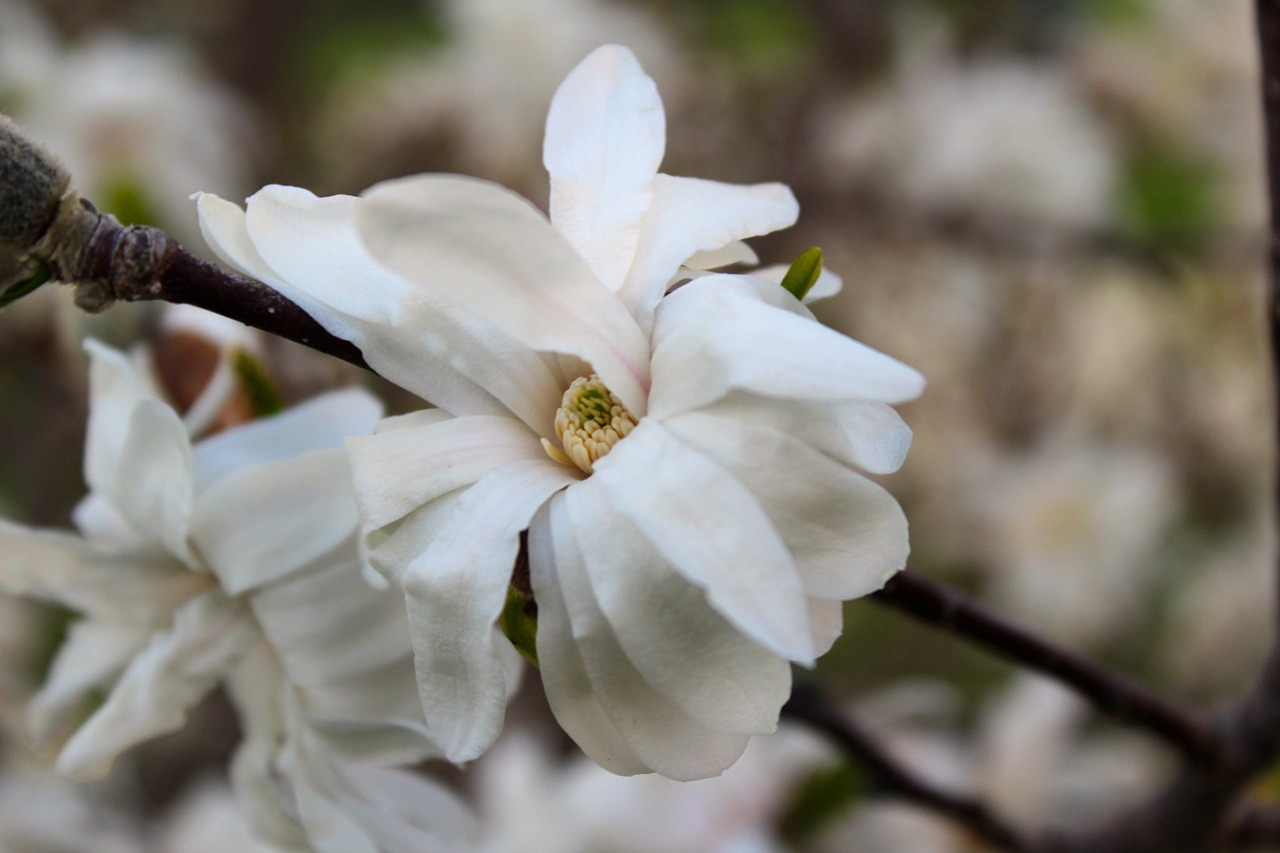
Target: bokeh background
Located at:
point(1053, 209)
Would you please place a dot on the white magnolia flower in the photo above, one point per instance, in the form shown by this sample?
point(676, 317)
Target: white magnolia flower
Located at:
point(234, 560)
point(675, 577)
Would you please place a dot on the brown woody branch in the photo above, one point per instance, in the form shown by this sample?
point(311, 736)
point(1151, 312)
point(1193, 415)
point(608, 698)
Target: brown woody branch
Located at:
point(889, 777)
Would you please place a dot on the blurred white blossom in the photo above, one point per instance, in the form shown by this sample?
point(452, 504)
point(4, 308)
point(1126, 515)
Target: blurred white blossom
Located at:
point(675, 577)
point(1007, 137)
point(234, 560)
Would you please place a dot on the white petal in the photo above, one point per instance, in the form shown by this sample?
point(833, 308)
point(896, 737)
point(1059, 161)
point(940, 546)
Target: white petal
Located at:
point(398, 471)
point(222, 223)
point(707, 525)
point(689, 215)
point(404, 332)
point(344, 647)
point(264, 522)
point(677, 642)
point(154, 487)
point(491, 252)
point(827, 619)
point(871, 436)
point(209, 636)
point(606, 132)
point(721, 332)
point(847, 534)
point(318, 424)
point(564, 677)
point(455, 593)
point(92, 656)
point(115, 389)
point(662, 736)
point(734, 252)
point(390, 550)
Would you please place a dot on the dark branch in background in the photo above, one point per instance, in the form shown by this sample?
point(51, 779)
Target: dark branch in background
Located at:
point(1114, 695)
point(48, 233)
point(891, 778)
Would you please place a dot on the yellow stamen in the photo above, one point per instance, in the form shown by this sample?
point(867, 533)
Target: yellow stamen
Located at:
point(590, 421)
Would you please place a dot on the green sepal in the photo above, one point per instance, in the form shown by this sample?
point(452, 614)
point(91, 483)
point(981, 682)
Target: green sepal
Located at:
point(256, 382)
point(818, 800)
point(15, 292)
point(520, 625)
point(804, 273)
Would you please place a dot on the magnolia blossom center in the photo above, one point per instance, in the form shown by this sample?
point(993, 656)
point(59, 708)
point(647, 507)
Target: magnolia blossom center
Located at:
point(589, 422)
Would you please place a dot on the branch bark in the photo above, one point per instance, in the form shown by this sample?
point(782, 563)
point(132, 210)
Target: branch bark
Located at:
point(892, 778)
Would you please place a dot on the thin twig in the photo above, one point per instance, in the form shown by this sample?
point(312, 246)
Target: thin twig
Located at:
point(891, 777)
point(943, 607)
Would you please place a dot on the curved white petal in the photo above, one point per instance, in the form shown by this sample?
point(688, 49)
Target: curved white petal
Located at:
point(662, 735)
point(92, 656)
point(417, 358)
point(455, 593)
point(722, 332)
point(847, 534)
point(154, 487)
point(734, 252)
point(320, 423)
point(606, 132)
point(690, 215)
point(707, 525)
point(345, 648)
point(210, 634)
point(115, 389)
point(870, 436)
point(397, 471)
point(264, 522)
point(564, 677)
point(406, 334)
point(390, 550)
point(490, 252)
point(676, 641)
point(827, 618)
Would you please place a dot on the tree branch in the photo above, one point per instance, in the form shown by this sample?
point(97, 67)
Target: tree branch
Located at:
point(810, 706)
point(1114, 695)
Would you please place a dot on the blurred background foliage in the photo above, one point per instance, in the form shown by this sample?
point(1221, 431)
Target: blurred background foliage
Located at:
point(1053, 209)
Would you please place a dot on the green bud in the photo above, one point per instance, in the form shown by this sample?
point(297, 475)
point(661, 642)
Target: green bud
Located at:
point(803, 274)
point(256, 382)
point(520, 624)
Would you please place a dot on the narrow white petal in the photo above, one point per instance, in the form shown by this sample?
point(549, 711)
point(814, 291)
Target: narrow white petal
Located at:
point(707, 525)
point(721, 333)
point(690, 215)
point(870, 436)
point(847, 534)
point(606, 132)
point(665, 626)
point(92, 656)
point(455, 593)
point(209, 636)
point(564, 677)
point(222, 223)
point(490, 252)
point(115, 389)
point(662, 735)
point(318, 424)
point(827, 619)
point(733, 252)
point(154, 485)
point(396, 472)
point(262, 523)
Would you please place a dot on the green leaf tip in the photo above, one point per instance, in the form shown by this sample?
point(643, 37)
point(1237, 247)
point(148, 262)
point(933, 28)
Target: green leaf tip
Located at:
point(804, 273)
point(256, 382)
point(520, 624)
point(15, 292)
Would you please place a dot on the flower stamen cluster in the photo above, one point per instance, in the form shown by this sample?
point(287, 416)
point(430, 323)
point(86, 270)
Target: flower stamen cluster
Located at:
point(590, 421)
